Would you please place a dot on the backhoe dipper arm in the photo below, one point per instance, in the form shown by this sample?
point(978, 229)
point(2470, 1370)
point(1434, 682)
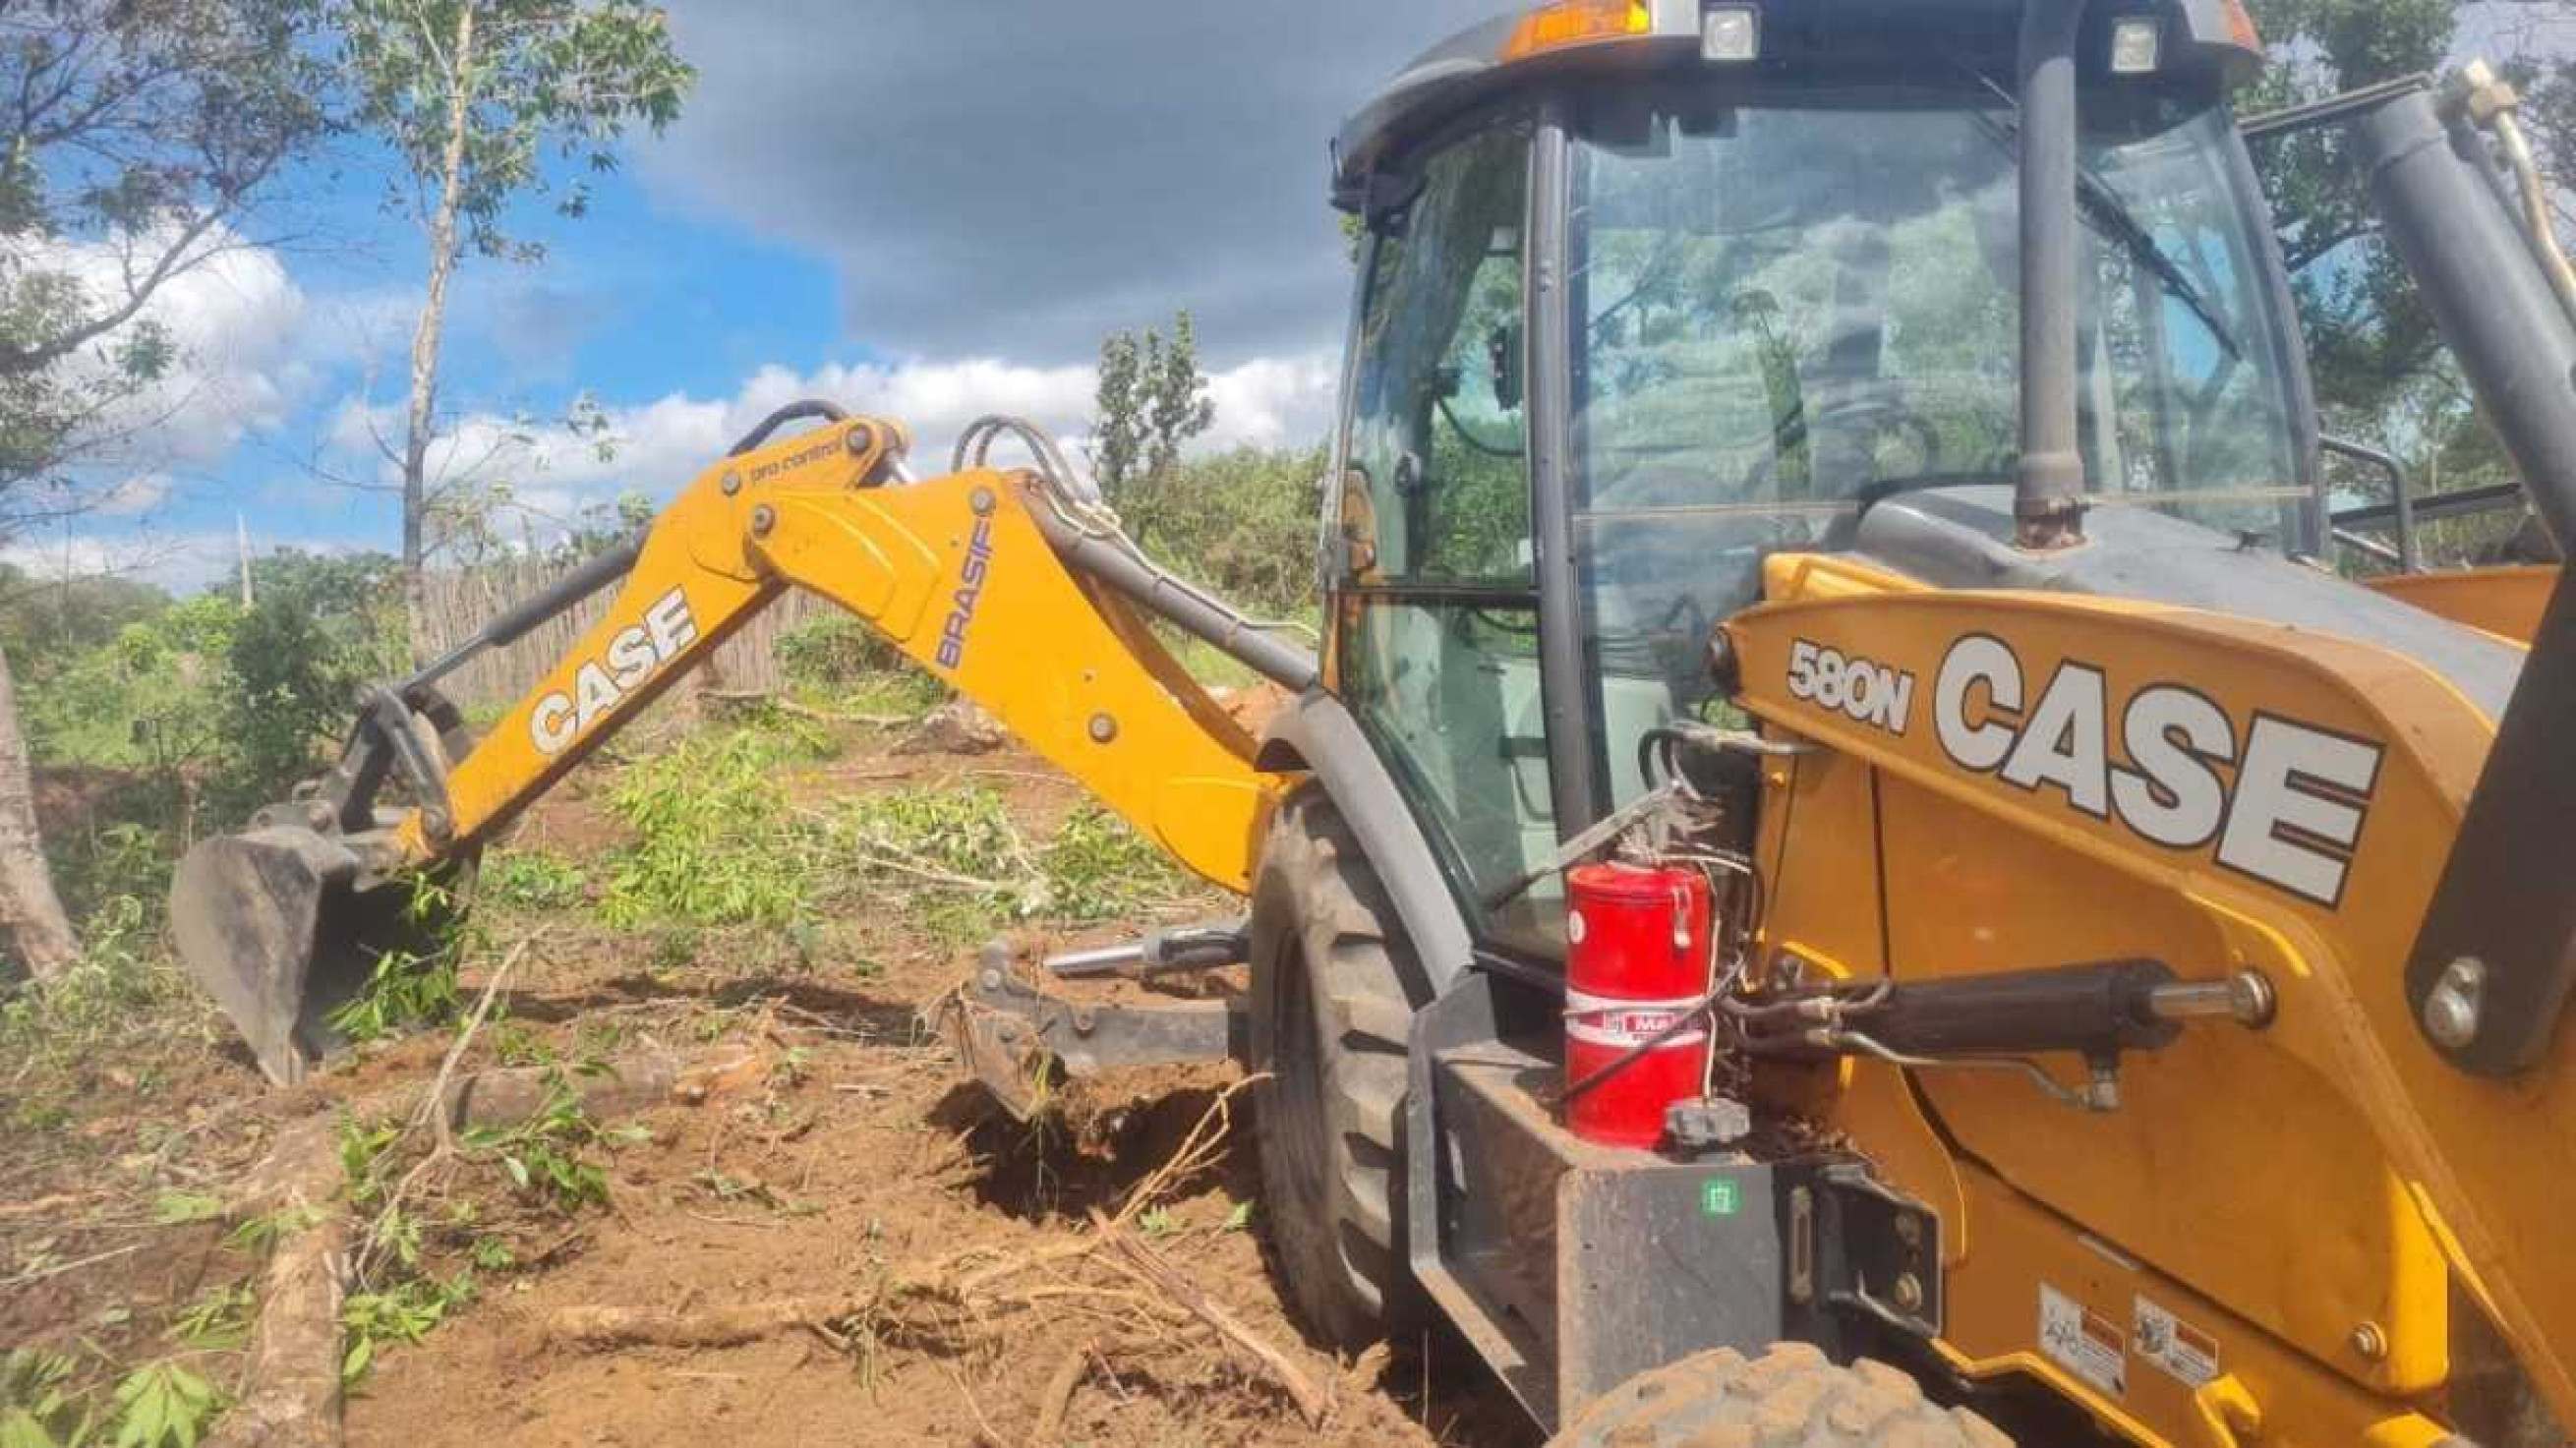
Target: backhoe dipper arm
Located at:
point(956, 572)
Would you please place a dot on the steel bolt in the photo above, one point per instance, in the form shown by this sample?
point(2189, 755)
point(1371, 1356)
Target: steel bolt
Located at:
point(1909, 1230)
point(1103, 728)
point(981, 500)
point(990, 980)
point(763, 518)
point(861, 438)
point(1722, 663)
point(1908, 1293)
point(1084, 1020)
point(2256, 1001)
point(2451, 1009)
point(732, 484)
point(2368, 1341)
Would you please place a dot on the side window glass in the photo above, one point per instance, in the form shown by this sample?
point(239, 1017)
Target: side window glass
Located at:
point(1438, 629)
point(1439, 486)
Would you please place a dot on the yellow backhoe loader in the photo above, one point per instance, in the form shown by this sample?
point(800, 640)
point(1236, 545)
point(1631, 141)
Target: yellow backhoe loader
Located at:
point(1826, 515)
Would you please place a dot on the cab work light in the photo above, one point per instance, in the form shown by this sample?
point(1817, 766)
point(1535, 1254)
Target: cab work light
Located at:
point(2136, 43)
point(1569, 23)
point(1731, 34)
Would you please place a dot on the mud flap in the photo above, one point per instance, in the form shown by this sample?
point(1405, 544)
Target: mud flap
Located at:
point(273, 924)
point(1013, 1036)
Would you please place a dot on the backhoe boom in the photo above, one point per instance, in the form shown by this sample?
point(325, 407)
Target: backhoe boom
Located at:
point(957, 572)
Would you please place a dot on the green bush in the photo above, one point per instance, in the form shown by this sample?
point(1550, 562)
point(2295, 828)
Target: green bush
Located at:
point(321, 628)
point(207, 698)
point(832, 650)
point(715, 841)
point(1244, 526)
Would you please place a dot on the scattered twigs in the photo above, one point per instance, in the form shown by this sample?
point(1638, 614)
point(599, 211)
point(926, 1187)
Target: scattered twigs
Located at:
point(1057, 1403)
point(432, 1112)
point(1102, 1295)
point(429, 1107)
point(1312, 1402)
point(1199, 1151)
point(292, 1392)
point(785, 705)
point(170, 1143)
point(60, 1268)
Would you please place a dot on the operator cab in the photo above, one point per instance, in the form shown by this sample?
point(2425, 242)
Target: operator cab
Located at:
point(1650, 292)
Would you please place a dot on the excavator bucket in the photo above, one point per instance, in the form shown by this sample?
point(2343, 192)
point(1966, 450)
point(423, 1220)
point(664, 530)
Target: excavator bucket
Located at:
point(274, 924)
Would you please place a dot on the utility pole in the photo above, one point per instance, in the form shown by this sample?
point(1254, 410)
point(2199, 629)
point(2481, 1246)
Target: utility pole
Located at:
point(241, 551)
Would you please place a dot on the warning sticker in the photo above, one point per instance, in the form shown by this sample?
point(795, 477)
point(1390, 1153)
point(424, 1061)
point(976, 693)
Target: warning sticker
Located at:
point(2083, 1341)
point(2174, 1345)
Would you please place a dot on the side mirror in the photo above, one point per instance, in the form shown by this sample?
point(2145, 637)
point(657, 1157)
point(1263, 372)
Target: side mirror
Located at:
point(1503, 350)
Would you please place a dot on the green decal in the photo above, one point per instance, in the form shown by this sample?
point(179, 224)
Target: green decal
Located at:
point(1717, 1197)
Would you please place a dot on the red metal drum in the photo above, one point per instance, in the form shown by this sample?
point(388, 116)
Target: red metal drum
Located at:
point(1637, 943)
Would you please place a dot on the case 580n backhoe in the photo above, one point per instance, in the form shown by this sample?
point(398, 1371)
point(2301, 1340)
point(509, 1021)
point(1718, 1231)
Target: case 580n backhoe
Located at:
point(1826, 516)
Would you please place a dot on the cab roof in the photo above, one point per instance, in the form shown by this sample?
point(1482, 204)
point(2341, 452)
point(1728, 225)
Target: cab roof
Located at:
point(1649, 36)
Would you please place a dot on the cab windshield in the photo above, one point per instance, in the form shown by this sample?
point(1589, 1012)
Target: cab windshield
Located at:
point(1787, 311)
point(1783, 308)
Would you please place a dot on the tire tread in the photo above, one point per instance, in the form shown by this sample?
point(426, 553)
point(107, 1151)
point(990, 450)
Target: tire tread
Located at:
point(1790, 1397)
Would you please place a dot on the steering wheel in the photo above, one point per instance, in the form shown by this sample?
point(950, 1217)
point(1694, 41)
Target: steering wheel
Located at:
point(1881, 411)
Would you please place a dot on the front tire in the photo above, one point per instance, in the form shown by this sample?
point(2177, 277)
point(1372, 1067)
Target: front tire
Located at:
point(1790, 1397)
point(1334, 985)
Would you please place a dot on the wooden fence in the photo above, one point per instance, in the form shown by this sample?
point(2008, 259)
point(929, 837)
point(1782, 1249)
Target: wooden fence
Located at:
point(455, 604)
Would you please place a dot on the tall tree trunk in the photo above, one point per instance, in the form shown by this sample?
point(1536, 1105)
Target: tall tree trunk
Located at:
point(433, 318)
point(30, 911)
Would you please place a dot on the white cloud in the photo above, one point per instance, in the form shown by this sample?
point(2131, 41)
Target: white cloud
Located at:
point(1275, 402)
point(180, 562)
point(138, 494)
point(233, 320)
point(660, 445)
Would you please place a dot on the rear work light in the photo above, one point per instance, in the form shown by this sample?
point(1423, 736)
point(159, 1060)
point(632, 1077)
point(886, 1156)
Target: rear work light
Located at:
point(1570, 23)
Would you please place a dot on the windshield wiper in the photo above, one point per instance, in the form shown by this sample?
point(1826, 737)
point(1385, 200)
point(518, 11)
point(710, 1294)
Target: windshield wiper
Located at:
point(2104, 208)
point(2111, 216)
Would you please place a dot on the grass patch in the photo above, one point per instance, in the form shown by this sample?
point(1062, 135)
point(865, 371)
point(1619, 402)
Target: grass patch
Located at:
point(123, 995)
point(840, 665)
point(532, 879)
point(1098, 868)
point(904, 692)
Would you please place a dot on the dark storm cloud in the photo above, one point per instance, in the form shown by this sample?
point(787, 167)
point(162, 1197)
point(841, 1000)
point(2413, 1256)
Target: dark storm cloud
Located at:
point(1015, 177)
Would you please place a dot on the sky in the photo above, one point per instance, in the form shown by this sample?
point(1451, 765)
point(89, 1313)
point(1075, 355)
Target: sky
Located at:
point(926, 211)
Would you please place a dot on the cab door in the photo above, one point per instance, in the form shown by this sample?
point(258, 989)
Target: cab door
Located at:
point(1433, 597)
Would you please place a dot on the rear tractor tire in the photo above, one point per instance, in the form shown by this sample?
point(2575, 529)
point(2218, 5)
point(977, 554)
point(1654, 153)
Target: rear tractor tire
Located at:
point(1790, 1397)
point(1334, 986)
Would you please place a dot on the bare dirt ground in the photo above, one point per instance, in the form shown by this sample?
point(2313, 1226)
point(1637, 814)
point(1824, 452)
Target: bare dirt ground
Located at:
point(842, 1158)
